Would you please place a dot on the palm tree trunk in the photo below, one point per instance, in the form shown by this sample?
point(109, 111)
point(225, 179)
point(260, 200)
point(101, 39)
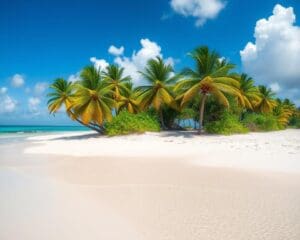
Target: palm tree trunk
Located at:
point(162, 119)
point(201, 113)
point(94, 127)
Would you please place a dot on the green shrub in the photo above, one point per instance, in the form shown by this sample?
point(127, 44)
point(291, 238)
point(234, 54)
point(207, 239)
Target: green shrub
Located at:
point(214, 110)
point(226, 125)
point(261, 122)
point(295, 124)
point(295, 120)
point(127, 123)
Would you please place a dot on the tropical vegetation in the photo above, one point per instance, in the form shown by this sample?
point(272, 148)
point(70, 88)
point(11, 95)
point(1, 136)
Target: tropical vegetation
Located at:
point(158, 90)
point(126, 123)
point(211, 77)
point(227, 124)
point(210, 97)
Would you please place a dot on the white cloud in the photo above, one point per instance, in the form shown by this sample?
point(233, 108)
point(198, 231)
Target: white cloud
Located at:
point(116, 51)
point(202, 10)
point(7, 103)
point(3, 90)
point(99, 64)
point(132, 64)
point(221, 59)
point(40, 88)
point(130, 68)
point(74, 77)
point(274, 57)
point(33, 103)
point(275, 87)
point(171, 61)
point(139, 59)
point(17, 80)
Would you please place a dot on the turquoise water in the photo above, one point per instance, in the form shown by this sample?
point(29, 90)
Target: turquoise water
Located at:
point(40, 129)
point(17, 134)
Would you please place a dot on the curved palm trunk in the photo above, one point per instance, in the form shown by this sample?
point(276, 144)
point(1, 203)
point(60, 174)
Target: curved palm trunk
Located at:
point(201, 113)
point(92, 126)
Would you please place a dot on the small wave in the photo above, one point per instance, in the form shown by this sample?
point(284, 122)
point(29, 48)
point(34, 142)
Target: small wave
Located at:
point(20, 132)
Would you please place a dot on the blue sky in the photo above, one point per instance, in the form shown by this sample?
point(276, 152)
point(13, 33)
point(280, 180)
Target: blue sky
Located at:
point(42, 40)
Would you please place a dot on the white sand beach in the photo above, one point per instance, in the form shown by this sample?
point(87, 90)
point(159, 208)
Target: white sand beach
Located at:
point(163, 186)
point(274, 151)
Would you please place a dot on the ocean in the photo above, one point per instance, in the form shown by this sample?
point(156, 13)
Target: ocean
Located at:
point(40, 129)
point(15, 134)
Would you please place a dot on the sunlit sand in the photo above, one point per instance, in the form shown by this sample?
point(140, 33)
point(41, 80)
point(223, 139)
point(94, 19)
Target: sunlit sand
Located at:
point(170, 185)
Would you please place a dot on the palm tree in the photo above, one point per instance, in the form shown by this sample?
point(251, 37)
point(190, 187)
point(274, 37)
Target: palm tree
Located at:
point(211, 77)
point(128, 100)
point(93, 100)
point(283, 111)
point(158, 92)
point(289, 104)
point(250, 95)
point(61, 95)
point(267, 101)
point(113, 76)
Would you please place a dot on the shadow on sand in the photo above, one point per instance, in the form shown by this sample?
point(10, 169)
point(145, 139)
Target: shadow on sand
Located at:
point(185, 134)
point(175, 133)
point(79, 137)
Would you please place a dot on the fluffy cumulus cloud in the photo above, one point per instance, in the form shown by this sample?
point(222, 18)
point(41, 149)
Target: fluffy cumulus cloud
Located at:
point(138, 60)
point(40, 88)
point(74, 77)
point(131, 64)
point(33, 104)
point(275, 87)
point(7, 103)
point(17, 80)
point(100, 64)
point(202, 10)
point(116, 51)
point(274, 58)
